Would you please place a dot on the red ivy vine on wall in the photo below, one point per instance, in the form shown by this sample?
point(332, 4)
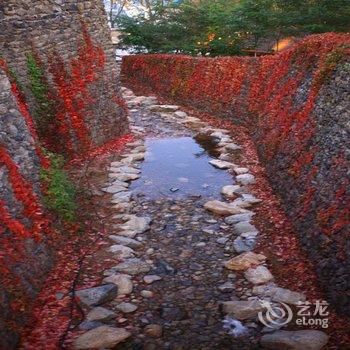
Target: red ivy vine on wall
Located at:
point(261, 94)
point(72, 81)
point(23, 108)
point(23, 193)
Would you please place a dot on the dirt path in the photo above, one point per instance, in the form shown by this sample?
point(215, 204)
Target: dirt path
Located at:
point(183, 252)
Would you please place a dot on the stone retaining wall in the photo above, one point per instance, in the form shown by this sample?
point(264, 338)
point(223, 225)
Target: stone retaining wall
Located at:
point(71, 44)
point(53, 31)
point(296, 106)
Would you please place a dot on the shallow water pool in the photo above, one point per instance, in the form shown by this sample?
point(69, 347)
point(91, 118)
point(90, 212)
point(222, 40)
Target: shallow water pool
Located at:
point(178, 167)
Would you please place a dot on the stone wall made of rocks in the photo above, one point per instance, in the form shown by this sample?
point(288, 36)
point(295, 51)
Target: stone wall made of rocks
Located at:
point(52, 31)
point(296, 107)
point(29, 271)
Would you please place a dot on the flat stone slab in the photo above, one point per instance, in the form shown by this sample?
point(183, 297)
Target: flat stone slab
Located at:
point(258, 275)
point(279, 294)
point(242, 309)
point(120, 183)
point(164, 108)
point(126, 233)
point(123, 177)
point(121, 197)
point(122, 281)
point(132, 243)
point(97, 295)
point(126, 170)
point(244, 261)
point(230, 147)
point(230, 190)
point(137, 224)
point(121, 251)
point(243, 227)
point(114, 189)
point(221, 164)
point(240, 171)
point(250, 198)
point(103, 337)
point(132, 266)
point(295, 340)
point(223, 208)
point(245, 179)
point(234, 219)
point(100, 314)
point(133, 157)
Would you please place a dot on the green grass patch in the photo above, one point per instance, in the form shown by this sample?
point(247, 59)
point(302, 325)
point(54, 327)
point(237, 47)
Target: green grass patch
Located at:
point(60, 192)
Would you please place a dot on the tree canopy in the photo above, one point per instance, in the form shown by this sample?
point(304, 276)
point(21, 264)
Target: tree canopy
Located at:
point(225, 27)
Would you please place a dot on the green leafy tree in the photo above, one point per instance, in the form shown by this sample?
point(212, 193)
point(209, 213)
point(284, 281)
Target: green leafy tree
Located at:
point(221, 27)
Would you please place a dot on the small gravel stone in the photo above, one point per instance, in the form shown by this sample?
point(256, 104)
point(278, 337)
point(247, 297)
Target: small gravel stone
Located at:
point(151, 278)
point(126, 307)
point(154, 330)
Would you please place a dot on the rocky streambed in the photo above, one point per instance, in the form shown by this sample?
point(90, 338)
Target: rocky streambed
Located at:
point(187, 274)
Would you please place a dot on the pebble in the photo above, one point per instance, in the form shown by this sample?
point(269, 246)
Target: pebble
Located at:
point(154, 330)
point(151, 278)
point(222, 240)
point(147, 293)
point(126, 307)
point(227, 287)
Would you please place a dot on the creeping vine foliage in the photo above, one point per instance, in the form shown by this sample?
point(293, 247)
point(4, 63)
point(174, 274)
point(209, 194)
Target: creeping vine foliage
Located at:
point(59, 192)
point(262, 93)
point(44, 107)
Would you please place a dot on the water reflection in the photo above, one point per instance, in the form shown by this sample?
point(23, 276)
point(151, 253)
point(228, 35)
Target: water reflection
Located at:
point(176, 167)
